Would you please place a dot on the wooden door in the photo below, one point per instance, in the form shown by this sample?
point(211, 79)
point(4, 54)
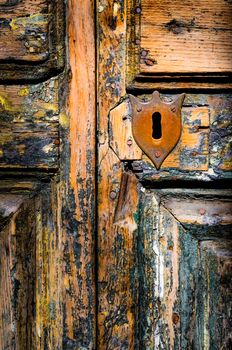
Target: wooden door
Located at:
point(47, 171)
point(164, 236)
point(128, 256)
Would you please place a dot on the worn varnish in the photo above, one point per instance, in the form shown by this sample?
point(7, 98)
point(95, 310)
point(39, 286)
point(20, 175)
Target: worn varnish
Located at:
point(180, 239)
point(78, 126)
point(30, 247)
point(47, 195)
point(117, 194)
point(184, 262)
point(29, 123)
point(31, 39)
point(98, 248)
point(186, 37)
point(168, 40)
point(30, 21)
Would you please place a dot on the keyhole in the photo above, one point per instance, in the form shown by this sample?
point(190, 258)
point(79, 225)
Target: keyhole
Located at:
point(156, 126)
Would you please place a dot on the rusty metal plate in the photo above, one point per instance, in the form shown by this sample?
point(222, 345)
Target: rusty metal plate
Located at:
point(156, 125)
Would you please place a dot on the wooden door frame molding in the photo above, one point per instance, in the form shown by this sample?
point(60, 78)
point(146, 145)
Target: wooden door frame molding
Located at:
point(23, 70)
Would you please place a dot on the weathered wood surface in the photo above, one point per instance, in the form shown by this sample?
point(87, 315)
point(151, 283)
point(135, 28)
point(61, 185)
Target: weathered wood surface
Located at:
point(145, 240)
point(24, 34)
point(30, 246)
point(117, 193)
point(204, 149)
point(184, 270)
point(29, 124)
point(139, 318)
point(31, 39)
point(49, 128)
point(21, 186)
point(185, 37)
point(179, 44)
point(78, 127)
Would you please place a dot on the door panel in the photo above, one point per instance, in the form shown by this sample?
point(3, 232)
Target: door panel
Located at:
point(185, 37)
point(29, 123)
point(30, 306)
point(178, 44)
point(163, 236)
point(164, 241)
point(184, 269)
point(47, 175)
point(31, 39)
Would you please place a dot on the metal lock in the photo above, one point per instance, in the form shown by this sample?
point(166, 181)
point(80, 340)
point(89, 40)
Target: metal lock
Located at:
point(156, 125)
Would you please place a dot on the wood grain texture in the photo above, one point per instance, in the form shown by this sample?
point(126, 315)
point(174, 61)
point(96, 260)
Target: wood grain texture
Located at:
point(182, 268)
point(29, 22)
point(77, 129)
point(46, 126)
point(178, 44)
point(31, 39)
point(182, 37)
point(162, 271)
point(180, 83)
point(120, 133)
point(156, 317)
point(30, 247)
point(117, 192)
point(117, 261)
point(202, 153)
point(29, 122)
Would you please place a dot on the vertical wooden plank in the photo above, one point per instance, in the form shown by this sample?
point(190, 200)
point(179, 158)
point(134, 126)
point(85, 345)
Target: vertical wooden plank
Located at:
point(149, 265)
point(48, 256)
point(78, 180)
point(216, 260)
point(7, 329)
point(117, 262)
point(17, 278)
point(117, 192)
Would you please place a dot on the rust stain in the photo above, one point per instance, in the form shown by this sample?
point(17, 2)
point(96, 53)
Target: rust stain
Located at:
point(175, 318)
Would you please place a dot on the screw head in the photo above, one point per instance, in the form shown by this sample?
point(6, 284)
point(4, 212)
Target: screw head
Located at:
point(113, 194)
point(139, 109)
point(144, 53)
point(129, 142)
point(157, 154)
point(138, 10)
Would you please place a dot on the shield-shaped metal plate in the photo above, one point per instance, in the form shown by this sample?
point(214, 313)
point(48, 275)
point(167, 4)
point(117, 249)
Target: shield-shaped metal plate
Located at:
point(156, 125)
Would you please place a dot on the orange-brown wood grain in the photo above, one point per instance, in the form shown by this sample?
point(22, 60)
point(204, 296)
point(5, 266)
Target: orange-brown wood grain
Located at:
point(32, 39)
point(22, 44)
point(183, 37)
point(178, 44)
point(30, 276)
point(116, 221)
point(78, 179)
point(98, 249)
point(29, 123)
